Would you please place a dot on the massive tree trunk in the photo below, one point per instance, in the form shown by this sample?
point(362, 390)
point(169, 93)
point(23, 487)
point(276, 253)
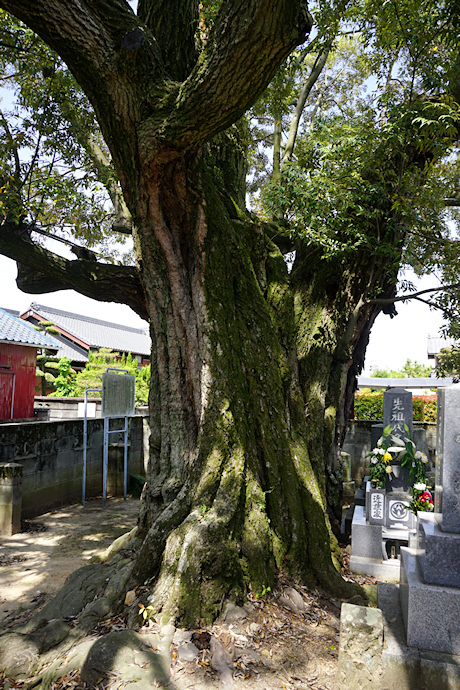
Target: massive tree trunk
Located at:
point(231, 498)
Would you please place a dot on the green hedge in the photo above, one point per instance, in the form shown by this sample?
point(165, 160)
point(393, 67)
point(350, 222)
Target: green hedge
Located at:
point(369, 405)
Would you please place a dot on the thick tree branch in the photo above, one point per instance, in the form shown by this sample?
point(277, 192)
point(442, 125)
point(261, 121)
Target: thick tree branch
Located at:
point(248, 41)
point(452, 202)
point(118, 63)
point(174, 24)
point(44, 271)
point(112, 56)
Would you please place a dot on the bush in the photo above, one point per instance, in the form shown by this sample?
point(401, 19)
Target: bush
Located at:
point(369, 405)
point(429, 407)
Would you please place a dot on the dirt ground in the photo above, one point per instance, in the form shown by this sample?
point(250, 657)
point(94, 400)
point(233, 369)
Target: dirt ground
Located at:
point(284, 639)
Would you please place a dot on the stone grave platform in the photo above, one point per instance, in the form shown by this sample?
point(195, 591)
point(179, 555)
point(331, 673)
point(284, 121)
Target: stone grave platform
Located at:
point(374, 654)
point(430, 569)
point(384, 524)
point(369, 555)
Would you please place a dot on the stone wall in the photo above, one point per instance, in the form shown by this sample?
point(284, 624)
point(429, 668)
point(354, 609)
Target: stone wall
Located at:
point(51, 455)
point(358, 442)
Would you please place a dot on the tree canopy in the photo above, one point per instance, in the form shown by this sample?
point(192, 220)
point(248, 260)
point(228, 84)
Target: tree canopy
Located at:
point(254, 360)
point(369, 112)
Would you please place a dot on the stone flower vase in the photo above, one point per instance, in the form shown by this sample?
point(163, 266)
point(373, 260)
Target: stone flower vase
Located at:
point(398, 480)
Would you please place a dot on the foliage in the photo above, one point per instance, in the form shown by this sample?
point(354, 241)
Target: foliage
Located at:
point(54, 373)
point(449, 363)
point(425, 408)
point(146, 612)
point(55, 171)
point(409, 370)
point(91, 375)
point(369, 405)
point(405, 454)
point(371, 172)
point(64, 383)
point(355, 184)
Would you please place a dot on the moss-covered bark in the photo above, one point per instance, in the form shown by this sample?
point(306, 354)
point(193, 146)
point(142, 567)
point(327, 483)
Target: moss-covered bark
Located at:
point(334, 316)
point(232, 498)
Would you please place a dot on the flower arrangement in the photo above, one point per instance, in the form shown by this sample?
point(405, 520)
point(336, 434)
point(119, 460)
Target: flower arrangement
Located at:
point(422, 500)
point(404, 451)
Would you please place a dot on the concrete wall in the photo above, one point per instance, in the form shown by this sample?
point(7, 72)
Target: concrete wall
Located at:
point(51, 409)
point(51, 455)
point(358, 443)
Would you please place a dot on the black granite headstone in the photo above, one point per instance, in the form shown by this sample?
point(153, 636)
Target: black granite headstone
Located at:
point(397, 411)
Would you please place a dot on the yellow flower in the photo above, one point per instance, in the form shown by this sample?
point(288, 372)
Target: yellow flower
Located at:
point(387, 457)
point(388, 469)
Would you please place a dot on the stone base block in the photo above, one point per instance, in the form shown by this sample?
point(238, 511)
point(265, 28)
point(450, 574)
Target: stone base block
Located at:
point(386, 571)
point(431, 613)
point(360, 628)
point(406, 668)
point(440, 562)
point(366, 540)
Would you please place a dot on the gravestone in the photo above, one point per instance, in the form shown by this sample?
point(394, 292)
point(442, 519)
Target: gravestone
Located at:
point(448, 452)
point(430, 573)
point(385, 522)
point(397, 411)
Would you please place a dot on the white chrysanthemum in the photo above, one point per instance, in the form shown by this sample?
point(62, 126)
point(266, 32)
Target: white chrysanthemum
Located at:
point(420, 487)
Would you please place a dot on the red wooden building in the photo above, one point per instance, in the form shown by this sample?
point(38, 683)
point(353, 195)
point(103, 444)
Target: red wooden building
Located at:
point(19, 343)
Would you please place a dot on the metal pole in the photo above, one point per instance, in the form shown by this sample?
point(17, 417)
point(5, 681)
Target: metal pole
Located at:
point(85, 443)
point(85, 439)
point(125, 460)
point(105, 459)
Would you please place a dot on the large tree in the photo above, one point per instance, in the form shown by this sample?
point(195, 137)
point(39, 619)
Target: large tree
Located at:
point(231, 497)
point(253, 367)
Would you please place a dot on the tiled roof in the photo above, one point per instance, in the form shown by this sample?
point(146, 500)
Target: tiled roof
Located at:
point(96, 333)
point(18, 331)
point(74, 352)
point(436, 344)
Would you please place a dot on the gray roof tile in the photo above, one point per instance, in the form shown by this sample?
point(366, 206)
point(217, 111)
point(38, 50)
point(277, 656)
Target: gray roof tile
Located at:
point(436, 344)
point(96, 333)
point(16, 330)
